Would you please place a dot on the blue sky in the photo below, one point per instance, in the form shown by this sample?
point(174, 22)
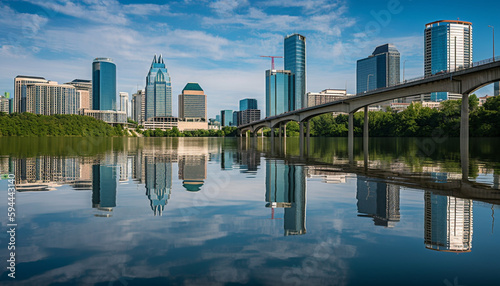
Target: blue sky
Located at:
point(218, 43)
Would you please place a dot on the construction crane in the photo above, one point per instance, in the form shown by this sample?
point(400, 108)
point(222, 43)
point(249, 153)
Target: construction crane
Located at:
point(272, 60)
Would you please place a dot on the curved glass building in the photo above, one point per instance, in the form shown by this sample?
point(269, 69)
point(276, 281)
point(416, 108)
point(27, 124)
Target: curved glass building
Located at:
point(295, 61)
point(103, 84)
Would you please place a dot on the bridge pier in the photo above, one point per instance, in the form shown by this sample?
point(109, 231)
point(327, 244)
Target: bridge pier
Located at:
point(350, 137)
point(366, 136)
point(301, 138)
point(308, 135)
point(464, 137)
point(284, 130)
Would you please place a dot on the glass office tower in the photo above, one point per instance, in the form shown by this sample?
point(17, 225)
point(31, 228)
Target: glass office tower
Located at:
point(248, 103)
point(448, 47)
point(380, 69)
point(295, 61)
point(226, 117)
point(103, 84)
point(280, 90)
point(158, 90)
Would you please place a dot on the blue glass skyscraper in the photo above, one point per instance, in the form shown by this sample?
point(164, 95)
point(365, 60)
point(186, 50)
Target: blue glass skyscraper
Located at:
point(103, 84)
point(448, 47)
point(295, 61)
point(248, 103)
point(380, 69)
point(158, 90)
point(226, 117)
point(280, 90)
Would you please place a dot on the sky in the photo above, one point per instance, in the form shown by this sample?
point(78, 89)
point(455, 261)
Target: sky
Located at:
point(218, 43)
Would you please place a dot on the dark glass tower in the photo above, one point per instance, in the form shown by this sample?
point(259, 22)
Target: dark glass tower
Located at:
point(103, 84)
point(380, 69)
point(295, 61)
point(158, 90)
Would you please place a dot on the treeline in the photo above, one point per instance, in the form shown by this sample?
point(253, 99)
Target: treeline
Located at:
point(28, 124)
point(174, 132)
point(415, 121)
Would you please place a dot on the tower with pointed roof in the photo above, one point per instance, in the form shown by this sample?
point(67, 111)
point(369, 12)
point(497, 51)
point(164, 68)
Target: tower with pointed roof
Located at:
point(158, 90)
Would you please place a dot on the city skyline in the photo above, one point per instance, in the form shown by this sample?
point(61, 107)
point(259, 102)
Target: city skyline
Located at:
point(338, 34)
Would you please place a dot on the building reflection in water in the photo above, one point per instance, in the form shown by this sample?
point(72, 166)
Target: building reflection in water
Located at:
point(378, 200)
point(448, 223)
point(192, 162)
point(104, 188)
point(158, 174)
point(286, 188)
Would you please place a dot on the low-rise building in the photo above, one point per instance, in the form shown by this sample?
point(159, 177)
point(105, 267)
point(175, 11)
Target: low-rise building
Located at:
point(109, 116)
point(325, 96)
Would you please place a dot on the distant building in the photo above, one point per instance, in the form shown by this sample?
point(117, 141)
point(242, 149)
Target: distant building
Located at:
point(193, 103)
point(109, 116)
point(280, 89)
point(448, 47)
point(325, 96)
point(226, 117)
point(103, 84)
point(5, 104)
point(158, 90)
point(295, 62)
point(138, 106)
point(248, 103)
point(448, 223)
point(483, 99)
point(84, 92)
point(20, 96)
point(248, 115)
point(380, 69)
point(217, 118)
point(496, 88)
point(124, 102)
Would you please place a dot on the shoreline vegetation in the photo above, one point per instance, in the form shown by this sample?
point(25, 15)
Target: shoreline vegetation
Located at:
point(415, 121)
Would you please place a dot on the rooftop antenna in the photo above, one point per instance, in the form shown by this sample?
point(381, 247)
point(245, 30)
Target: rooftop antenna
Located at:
point(272, 60)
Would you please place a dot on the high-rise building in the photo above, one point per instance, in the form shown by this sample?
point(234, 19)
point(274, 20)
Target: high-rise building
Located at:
point(280, 90)
point(84, 92)
point(226, 117)
point(124, 102)
point(158, 90)
point(380, 69)
point(248, 115)
point(236, 118)
point(448, 47)
point(193, 103)
point(138, 105)
point(103, 84)
point(295, 62)
point(379, 201)
point(448, 223)
point(20, 97)
point(248, 103)
point(496, 89)
point(51, 98)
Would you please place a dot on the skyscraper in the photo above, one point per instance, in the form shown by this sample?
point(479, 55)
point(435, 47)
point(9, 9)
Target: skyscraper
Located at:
point(103, 84)
point(124, 102)
point(193, 103)
point(20, 98)
point(448, 47)
point(380, 69)
point(248, 103)
point(158, 90)
point(51, 98)
point(280, 90)
point(295, 62)
point(248, 111)
point(226, 117)
point(138, 106)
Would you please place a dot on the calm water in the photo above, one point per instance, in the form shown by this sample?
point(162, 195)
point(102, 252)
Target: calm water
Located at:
point(162, 211)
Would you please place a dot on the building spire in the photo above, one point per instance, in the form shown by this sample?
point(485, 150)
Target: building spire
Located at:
point(160, 60)
point(155, 60)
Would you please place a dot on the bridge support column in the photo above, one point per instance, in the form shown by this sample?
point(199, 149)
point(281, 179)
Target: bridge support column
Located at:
point(464, 137)
point(366, 136)
point(308, 134)
point(284, 130)
point(279, 130)
point(301, 138)
point(350, 137)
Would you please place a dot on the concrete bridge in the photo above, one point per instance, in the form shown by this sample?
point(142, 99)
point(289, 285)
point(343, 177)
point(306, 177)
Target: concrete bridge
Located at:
point(464, 82)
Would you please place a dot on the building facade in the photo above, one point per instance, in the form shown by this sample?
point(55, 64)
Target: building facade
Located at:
point(496, 88)
point(248, 103)
point(236, 118)
point(51, 98)
point(84, 91)
point(380, 69)
point(158, 90)
point(103, 84)
point(124, 102)
point(138, 106)
point(325, 96)
point(226, 117)
point(248, 115)
point(280, 90)
point(108, 116)
point(20, 97)
point(193, 103)
point(295, 62)
point(448, 47)
point(5, 103)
